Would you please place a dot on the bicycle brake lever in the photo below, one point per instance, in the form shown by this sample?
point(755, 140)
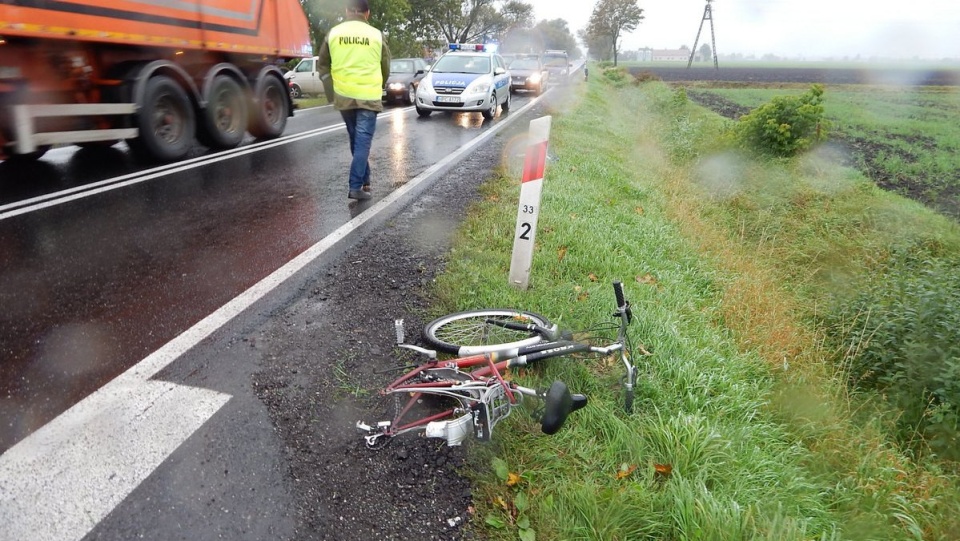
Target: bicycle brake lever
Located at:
point(373, 440)
point(428, 352)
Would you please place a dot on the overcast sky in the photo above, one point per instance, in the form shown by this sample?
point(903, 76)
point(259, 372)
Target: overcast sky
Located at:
point(791, 28)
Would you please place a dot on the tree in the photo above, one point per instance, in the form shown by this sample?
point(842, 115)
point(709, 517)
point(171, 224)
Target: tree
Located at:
point(390, 16)
point(706, 53)
point(598, 47)
point(456, 21)
point(611, 19)
point(517, 14)
point(556, 35)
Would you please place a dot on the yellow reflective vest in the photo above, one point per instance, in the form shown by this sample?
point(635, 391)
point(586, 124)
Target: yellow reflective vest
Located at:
point(355, 49)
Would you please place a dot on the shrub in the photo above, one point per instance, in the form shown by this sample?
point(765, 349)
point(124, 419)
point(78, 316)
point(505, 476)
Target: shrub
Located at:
point(905, 343)
point(786, 125)
point(645, 77)
point(617, 76)
point(680, 98)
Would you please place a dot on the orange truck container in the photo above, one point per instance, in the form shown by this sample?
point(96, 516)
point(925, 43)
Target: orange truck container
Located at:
point(158, 75)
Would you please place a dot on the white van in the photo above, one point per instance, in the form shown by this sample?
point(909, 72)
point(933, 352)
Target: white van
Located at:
point(304, 79)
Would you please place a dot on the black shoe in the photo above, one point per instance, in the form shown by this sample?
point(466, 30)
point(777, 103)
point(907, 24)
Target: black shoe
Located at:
point(358, 195)
point(366, 188)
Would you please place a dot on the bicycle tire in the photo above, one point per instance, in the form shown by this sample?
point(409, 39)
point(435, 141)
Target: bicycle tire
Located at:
point(468, 329)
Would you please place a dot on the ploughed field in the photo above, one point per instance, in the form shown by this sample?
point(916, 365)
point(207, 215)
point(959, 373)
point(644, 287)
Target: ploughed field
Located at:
point(935, 187)
point(829, 76)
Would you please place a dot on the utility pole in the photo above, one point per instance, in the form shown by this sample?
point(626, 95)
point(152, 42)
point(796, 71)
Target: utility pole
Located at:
point(707, 15)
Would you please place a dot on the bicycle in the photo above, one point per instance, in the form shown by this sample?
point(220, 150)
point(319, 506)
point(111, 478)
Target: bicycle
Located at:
point(472, 389)
point(485, 330)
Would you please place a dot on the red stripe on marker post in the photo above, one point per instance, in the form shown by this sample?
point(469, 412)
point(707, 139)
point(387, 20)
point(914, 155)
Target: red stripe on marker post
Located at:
point(535, 162)
point(528, 211)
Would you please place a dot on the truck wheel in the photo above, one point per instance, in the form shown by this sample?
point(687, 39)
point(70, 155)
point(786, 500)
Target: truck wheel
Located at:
point(225, 117)
point(165, 120)
point(270, 110)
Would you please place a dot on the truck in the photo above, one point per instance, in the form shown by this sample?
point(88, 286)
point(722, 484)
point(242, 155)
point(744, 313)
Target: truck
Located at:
point(158, 75)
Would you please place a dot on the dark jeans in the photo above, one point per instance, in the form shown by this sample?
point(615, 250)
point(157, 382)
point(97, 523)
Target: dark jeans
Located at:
point(361, 123)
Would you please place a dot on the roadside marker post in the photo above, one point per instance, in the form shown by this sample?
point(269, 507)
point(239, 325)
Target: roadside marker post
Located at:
point(529, 210)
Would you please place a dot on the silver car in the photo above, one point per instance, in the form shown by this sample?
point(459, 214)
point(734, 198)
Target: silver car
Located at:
point(466, 78)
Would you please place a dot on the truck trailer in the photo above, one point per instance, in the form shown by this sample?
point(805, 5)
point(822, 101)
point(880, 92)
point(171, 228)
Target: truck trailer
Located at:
point(156, 74)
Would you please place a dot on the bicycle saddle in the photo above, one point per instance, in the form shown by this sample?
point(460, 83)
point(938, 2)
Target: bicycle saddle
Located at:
point(558, 404)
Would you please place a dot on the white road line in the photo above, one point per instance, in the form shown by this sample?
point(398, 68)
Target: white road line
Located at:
point(76, 469)
point(63, 479)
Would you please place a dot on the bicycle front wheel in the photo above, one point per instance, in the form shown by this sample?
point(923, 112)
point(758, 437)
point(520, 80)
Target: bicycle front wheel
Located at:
point(470, 332)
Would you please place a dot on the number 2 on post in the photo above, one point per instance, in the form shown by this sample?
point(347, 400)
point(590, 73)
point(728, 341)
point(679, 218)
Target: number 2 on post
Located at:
point(525, 229)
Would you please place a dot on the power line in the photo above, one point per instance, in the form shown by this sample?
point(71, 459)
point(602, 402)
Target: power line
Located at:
point(707, 15)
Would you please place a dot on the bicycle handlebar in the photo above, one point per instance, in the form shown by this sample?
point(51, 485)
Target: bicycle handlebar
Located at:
point(623, 306)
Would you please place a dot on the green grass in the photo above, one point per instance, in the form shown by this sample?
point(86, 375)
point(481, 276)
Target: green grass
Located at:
point(306, 103)
point(724, 258)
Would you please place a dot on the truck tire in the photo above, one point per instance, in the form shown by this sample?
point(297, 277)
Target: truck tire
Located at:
point(225, 116)
point(165, 120)
point(271, 108)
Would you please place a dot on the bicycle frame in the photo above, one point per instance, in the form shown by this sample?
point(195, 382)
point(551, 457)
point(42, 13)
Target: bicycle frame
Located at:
point(482, 395)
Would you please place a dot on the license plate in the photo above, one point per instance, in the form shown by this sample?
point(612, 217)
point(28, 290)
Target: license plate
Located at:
point(448, 99)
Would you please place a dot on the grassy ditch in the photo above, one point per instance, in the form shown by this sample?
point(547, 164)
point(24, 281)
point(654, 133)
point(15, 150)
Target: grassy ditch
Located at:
point(744, 425)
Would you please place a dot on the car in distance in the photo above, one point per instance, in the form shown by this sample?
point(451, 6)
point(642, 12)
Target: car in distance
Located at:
point(528, 73)
point(405, 76)
point(558, 64)
point(465, 78)
point(304, 79)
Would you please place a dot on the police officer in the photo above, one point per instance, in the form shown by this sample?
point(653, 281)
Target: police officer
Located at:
point(355, 62)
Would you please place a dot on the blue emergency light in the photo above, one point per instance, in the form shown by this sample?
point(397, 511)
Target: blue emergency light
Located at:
point(480, 47)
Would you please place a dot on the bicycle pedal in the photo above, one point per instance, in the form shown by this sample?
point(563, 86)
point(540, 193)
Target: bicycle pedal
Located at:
point(398, 327)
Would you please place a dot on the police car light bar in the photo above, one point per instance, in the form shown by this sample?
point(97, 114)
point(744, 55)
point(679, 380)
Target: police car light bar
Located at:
point(467, 46)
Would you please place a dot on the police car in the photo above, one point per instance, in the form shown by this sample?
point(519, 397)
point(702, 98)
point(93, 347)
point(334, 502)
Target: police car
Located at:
point(465, 78)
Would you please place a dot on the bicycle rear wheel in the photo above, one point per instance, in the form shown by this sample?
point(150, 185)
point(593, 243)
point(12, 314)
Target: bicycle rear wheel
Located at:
point(470, 332)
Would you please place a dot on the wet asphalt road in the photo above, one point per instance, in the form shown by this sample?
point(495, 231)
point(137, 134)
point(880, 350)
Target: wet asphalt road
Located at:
point(104, 262)
point(93, 285)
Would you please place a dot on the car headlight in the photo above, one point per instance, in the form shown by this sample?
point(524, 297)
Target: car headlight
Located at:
point(535, 78)
point(395, 86)
point(478, 87)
